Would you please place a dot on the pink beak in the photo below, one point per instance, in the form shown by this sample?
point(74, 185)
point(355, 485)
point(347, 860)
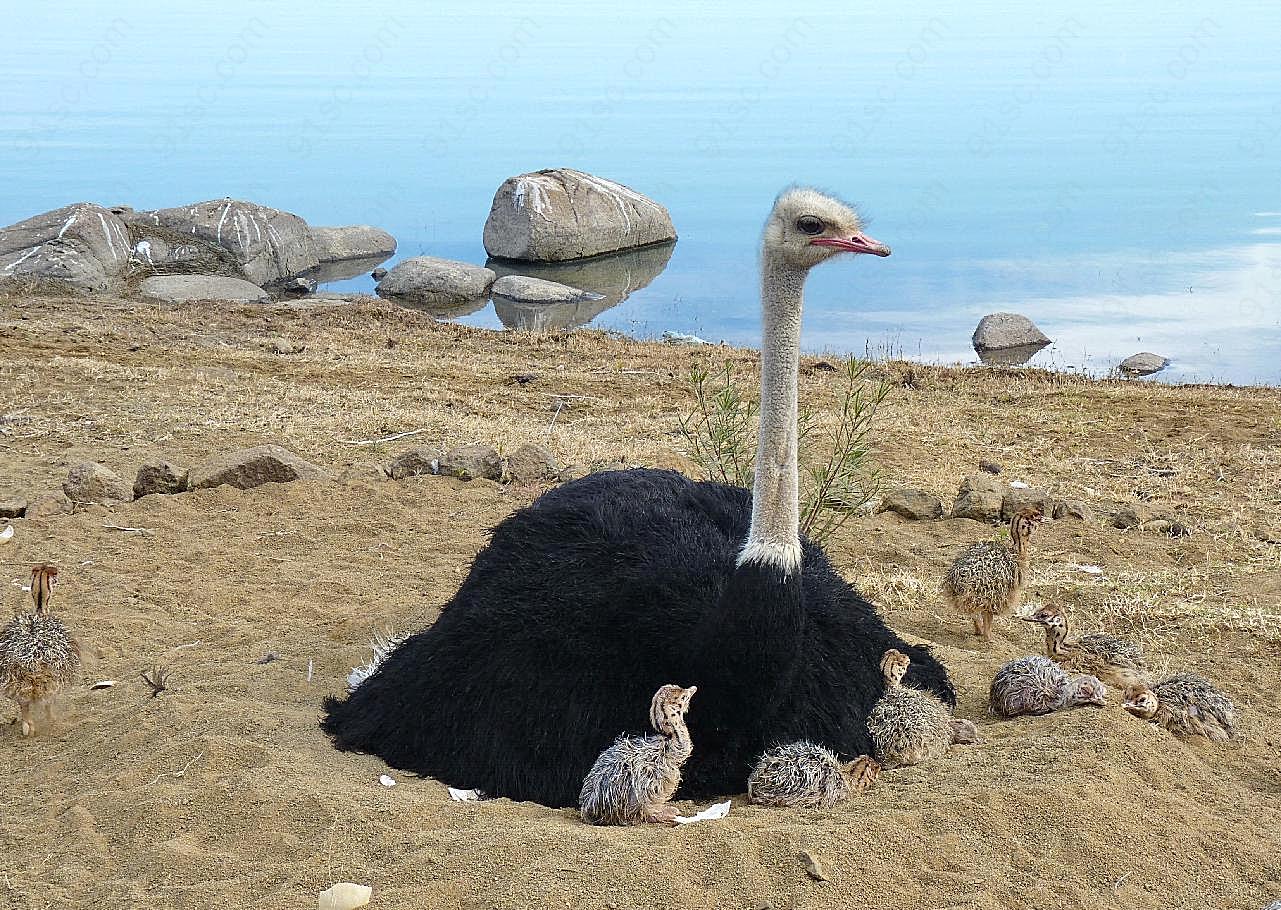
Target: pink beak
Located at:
point(858, 243)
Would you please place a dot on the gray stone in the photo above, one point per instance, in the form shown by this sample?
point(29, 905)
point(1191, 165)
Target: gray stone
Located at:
point(532, 463)
point(1007, 330)
point(277, 344)
point(1144, 364)
point(252, 467)
point(13, 506)
point(430, 280)
point(1165, 526)
point(159, 476)
point(560, 214)
point(990, 467)
point(471, 462)
point(363, 471)
point(83, 246)
point(1016, 501)
point(914, 504)
point(90, 481)
point(980, 498)
point(48, 504)
point(378, 274)
point(1073, 508)
point(1130, 515)
point(267, 245)
point(184, 288)
point(572, 472)
point(360, 241)
point(418, 460)
point(535, 290)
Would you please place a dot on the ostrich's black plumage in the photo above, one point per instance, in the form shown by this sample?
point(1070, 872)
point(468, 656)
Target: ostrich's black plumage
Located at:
point(583, 605)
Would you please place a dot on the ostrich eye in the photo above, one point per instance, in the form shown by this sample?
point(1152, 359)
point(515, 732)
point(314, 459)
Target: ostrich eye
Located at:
point(809, 224)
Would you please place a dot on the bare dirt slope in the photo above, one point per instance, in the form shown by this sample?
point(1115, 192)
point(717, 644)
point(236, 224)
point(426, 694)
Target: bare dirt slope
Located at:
point(221, 792)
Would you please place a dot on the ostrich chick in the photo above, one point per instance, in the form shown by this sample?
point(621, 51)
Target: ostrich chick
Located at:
point(633, 779)
point(1037, 685)
point(803, 775)
point(987, 579)
point(1114, 660)
point(909, 726)
point(1185, 704)
point(38, 657)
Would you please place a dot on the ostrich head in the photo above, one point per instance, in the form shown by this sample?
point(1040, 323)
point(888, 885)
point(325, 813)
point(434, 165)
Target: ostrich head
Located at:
point(862, 772)
point(1054, 618)
point(43, 580)
point(1085, 690)
point(1023, 524)
point(669, 706)
point(894, 666)
point(807, 227)
point(1140, 701)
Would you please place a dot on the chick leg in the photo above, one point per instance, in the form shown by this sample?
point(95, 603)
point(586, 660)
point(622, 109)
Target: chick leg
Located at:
point(664, 814)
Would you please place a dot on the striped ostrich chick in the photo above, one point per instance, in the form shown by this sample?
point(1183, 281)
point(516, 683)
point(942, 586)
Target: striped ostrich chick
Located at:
point(909, 726)
point(1114, 660)
point(633, 780)
point(38, 657)
point(1185, 704)
point(804, 775)
point(987, 579)
point(1037, 685)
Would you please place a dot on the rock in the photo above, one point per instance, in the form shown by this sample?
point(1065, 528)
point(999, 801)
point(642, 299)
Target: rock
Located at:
point(1144, 364)
point(182, 288)
point(90, 481)
point(471, 462)
point(249, 468)
point(1072, 508)
point(1016, 501)
point(913, 504)
point(813, 868)
point(48, 504)
point(1000, 331)
point(429, 280)
point(267, 245)
point(532, 463)
point(991, 467)
point(360, 241)
point(418, 460)
point(82, 246)
point(13, 507)
point(524, 289)
point(280, 345)
point(1129, 516)
point(1165, 526)
point(363, 471)
point(378, 274)
point(159, 476)
point(572, 472)
point(980, 497)
point(559, 214)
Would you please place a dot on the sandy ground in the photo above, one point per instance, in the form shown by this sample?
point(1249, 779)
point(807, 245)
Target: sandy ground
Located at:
point(221, 792)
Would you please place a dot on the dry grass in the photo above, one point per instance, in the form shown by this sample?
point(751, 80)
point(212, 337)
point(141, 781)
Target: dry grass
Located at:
point(1082, 809)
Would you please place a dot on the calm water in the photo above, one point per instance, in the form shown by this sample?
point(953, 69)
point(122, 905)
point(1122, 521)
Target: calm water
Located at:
point(1110, 172)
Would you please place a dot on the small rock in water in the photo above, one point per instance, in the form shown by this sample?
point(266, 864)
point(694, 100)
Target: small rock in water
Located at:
point(813, 868)
point(1143, 364)
point(538, 290)
point(378, 274)
point(1000, 331)
point(430, 279)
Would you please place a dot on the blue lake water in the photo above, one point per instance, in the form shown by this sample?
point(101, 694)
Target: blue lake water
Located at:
point(1110, 172)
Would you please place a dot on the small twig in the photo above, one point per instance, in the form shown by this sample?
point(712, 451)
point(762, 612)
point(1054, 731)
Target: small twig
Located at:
point(311, 669)
point(158, 680)
point(374, 442)
point(1121, 881)
point(132, 530)
point(181, 772)
point(560, 406)
point(190, 644)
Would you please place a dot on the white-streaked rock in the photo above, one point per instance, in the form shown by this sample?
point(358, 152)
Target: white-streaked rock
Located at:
point(82, 246)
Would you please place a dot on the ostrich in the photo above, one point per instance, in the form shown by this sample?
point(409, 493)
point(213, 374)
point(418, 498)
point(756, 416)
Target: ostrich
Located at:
point(606, 587)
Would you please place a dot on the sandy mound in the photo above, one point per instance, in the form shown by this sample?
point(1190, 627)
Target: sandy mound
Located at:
point(221, 792)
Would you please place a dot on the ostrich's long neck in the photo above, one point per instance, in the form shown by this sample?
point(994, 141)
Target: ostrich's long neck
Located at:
point(775, 535)
point(677, 747)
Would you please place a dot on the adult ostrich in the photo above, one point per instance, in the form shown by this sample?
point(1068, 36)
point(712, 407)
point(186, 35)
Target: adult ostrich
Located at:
point(608, 587)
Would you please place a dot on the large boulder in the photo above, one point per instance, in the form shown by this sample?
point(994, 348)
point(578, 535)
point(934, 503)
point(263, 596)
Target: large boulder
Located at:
point(90, 481)
point(431, 280)
point(560, 214)
point(82, 246)
point(252, 467)
point(1004, 331)
point(267, 245)
point(181, 288)
point(535, 290)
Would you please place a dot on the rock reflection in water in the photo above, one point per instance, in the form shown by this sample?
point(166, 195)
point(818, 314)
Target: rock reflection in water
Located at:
point(1011, 357)
point(342, 269)
point(441, 309)
point(614, 277)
